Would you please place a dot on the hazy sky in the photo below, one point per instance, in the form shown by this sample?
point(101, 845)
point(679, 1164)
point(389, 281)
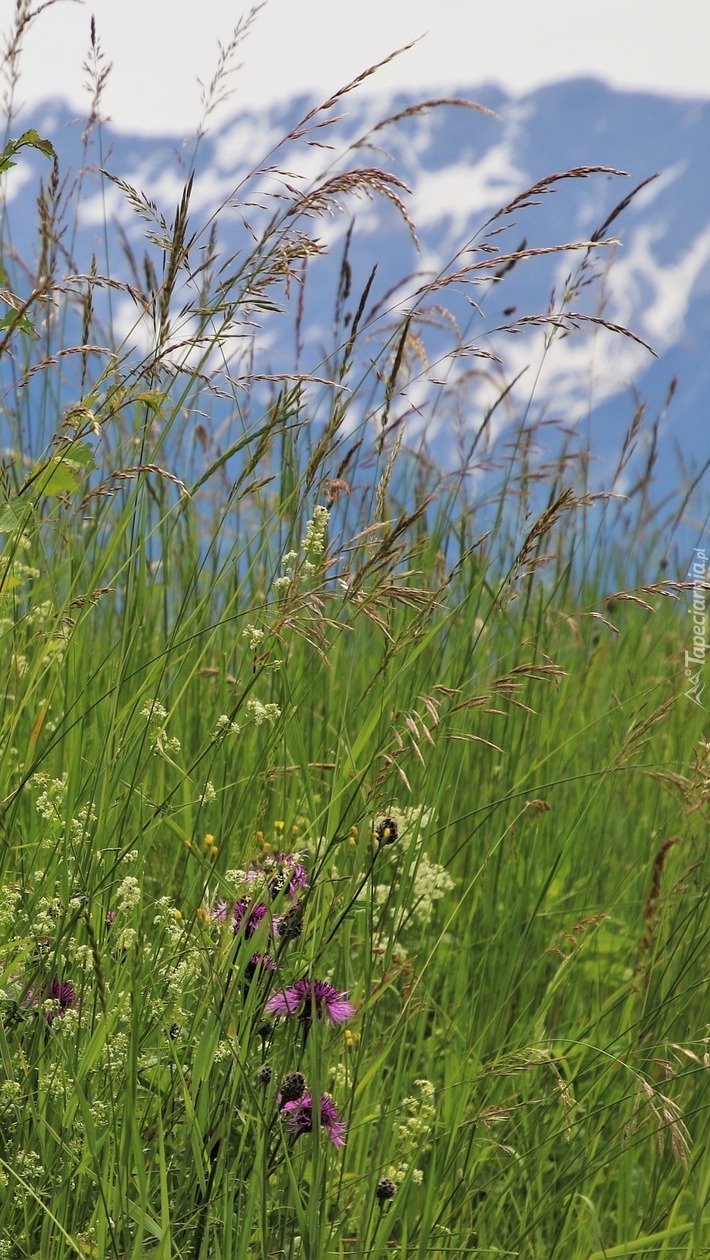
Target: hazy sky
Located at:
point(160, 47)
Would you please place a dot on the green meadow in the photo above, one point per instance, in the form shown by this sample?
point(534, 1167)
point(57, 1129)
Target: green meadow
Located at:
point(353, 810)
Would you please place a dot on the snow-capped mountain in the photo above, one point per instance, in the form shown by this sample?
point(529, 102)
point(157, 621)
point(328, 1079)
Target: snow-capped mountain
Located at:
point(461, 166)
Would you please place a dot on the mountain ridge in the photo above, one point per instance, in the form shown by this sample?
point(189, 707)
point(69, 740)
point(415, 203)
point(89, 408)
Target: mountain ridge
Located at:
point(461, 165)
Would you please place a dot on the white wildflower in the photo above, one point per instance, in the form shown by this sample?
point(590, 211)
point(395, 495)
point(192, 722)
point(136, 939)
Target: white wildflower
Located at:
point(82, 957)
point(154, 711)
point(128, 895)
point(10, 1094)
point(313, 542)
point(431, 882)
point(224, 726)
point(338, 1075)
point(79, 826)
point(254, 635)
point(8, 910)
point(100, 1114)
point(68, 1024)
point(161, 743)
point(126, 939)
point(259, 713)
point(50, 802)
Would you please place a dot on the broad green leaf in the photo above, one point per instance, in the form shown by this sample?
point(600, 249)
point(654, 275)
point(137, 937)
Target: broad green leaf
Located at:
point(57, 477)
point(80, 454)
point(62, 473)
point(153, 399)
point(20, 322)
point(11, 516)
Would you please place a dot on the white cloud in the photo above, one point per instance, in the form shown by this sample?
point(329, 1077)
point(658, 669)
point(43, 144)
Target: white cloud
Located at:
point(159, 49)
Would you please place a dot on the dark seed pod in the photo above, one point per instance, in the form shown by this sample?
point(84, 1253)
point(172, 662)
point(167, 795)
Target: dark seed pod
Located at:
point(290, 925)
point(293, 1087)
point(264, 1074)
point(386, 1189)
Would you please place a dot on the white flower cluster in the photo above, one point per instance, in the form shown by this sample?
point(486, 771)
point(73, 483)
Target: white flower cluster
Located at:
point(50, 802)
point(79, 825)
point(254, 636)
point(10, 1094)
point(209, 794)
point(398, 1172)
point(81, 956)
point(338, 1075)
point(68, 1024)
point(52, 1084)
point(313, 542)
point(125, 940)
point(411, 819)
point(182, 975)
point(431, 882)
point(282, 584)
point(158, 738)
point(128, 894)
point(416, 1131)
point(312, 545)
point(224, 726)
point(168, 918)
point(44, 920)
point(39, 613)
point(99, 1113)
point(28, 1166)
point(9, 898)
point(259, 713)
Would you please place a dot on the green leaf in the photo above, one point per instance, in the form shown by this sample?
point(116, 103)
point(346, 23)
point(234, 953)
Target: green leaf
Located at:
point(28, 140)
point(33, 140)
point(56, 477)
point(62, 473)
point(20, 322)
point(153, 399)
point(11, 516)
point(82, 455)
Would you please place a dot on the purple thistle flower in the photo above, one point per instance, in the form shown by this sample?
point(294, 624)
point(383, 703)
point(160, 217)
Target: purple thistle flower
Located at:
point(62, 993)
point(299, 1118)
point(308, 996)
point(298, 877)
point(285, 872)
point(246, 915)
point(259, 963)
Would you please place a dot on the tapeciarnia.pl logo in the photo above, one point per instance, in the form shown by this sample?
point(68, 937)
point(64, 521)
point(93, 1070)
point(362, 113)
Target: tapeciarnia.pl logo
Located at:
point(695, 659)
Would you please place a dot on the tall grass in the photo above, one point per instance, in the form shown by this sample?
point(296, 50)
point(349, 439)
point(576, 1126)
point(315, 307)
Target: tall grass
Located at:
point(284, 702)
